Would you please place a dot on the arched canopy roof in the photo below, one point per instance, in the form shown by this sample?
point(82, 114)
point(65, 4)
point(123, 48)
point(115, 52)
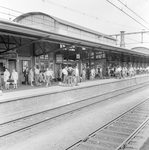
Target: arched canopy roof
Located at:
point(141, 50)
point(23, 16)
point(17, 30)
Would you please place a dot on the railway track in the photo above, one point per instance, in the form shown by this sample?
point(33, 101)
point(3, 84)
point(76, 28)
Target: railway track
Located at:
point(22, 124)
point(123, 133)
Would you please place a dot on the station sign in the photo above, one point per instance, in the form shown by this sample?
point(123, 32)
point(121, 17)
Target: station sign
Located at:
point(59, 58)
point(77, 56)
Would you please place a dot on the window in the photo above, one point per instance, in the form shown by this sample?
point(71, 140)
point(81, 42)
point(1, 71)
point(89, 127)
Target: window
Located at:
point(44, 56)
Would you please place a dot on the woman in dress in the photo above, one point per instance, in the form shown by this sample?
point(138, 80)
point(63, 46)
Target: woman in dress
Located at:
point(6, 77)
point(31, 76)
point(48, 77)
point(83, 74)
point(14, 76)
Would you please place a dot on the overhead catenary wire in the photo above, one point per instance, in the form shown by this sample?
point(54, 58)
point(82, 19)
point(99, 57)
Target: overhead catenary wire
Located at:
point(71, 10)
point(133, 39)
point(137, 43)
point(41, 23)
point(127, 14)
point(83, 13)
point(12, 9)
point(133, 12)
point(97, 18)
point(9, 14)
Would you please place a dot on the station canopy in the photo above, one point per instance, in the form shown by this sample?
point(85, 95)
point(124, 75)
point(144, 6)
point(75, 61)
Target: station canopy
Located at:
point(30, 35)
point(141, 50)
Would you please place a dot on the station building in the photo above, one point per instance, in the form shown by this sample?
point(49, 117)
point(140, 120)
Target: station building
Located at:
point(39, 39)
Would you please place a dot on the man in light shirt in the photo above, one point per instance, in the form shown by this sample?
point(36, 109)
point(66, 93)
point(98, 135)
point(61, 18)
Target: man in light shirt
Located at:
point(76, 75)
point(65, 74)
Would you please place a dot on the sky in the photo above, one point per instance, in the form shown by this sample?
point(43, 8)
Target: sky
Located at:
point(98, 15)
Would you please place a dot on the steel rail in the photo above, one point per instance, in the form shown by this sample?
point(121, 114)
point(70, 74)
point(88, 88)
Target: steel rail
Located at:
point(85, 99)
point(78, 143)
point(122, 146)
point(69, 112)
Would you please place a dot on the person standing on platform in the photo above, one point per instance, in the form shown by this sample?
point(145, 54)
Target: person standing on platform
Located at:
point(6, 77)
point(65, 74)
point(70, 71)
point(14, 76)
point(60, 74)
point(108, 72)
point(37, 71)
point(76, 75)
point(31, 76)
point(92, 77)
point(48, 77)
point(83, 74)
point(100, 74)
point(88, 73)
point(26, 73)
point(52, 78)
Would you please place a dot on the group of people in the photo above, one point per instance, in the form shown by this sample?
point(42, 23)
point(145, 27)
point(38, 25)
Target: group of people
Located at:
point(33, 77)
point(118, 72)
point(69, 76)
point(37, 77)
point(122, 72)
point(10, 78)
point(91, 73)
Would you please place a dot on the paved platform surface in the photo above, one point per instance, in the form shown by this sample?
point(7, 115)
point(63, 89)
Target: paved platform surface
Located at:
point(65, 132)
point(27, 90)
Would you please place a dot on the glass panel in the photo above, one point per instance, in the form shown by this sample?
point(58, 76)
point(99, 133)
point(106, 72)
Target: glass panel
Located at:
point(42, 57)
point(46, 56)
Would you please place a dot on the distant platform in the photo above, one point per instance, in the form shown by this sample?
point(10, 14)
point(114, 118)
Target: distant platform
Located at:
point(26, 91)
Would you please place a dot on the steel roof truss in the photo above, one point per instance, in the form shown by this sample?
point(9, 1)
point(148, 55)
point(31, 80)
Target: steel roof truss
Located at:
point(43, 50)
point(16, 47)
point(50, 46)
point(19, 44)
point(4, 43)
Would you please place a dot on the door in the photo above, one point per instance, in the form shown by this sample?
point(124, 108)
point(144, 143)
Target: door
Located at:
point(12, 65)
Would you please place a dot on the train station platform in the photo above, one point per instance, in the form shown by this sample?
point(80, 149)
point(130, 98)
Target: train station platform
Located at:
point(30, 100)
point(29, 91)
point(26, 91)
